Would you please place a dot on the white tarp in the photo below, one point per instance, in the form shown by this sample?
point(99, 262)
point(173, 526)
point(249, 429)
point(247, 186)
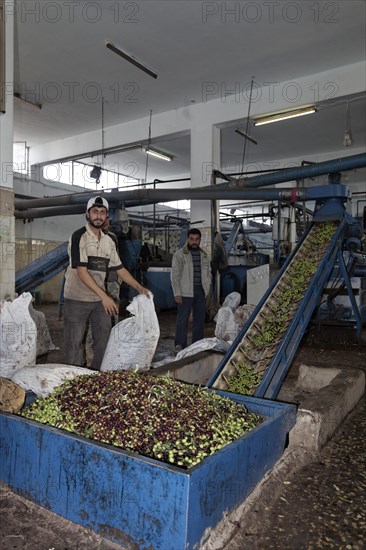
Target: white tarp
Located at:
point(203, 345)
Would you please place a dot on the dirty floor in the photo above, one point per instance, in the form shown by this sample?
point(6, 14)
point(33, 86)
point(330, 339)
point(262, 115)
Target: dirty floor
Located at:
point(322, 505)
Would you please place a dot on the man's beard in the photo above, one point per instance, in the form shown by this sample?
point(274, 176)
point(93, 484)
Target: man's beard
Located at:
point(193, 246)
point(96, 223)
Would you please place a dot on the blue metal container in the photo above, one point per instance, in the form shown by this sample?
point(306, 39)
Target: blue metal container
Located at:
point(157, 279)
point(132, 499)
point(234, 280)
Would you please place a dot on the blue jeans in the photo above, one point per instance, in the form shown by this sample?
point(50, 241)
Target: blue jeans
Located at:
point(197, 305)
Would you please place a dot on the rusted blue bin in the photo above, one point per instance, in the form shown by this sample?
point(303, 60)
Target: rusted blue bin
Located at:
point(157, 279)
point(131, 499)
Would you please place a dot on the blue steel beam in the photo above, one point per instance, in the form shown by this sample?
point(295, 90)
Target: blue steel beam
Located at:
point(39, 271)
point(280, 360)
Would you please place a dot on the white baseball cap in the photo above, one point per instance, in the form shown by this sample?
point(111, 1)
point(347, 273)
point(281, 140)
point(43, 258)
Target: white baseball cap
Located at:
point(97, 201)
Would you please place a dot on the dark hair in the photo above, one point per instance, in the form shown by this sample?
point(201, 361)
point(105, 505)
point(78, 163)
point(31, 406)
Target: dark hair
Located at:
point(194, 231)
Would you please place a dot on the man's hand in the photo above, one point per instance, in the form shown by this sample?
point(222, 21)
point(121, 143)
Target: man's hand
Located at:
point(142, 290)
point(127, 278)
point(110, 306)
point(178, 299)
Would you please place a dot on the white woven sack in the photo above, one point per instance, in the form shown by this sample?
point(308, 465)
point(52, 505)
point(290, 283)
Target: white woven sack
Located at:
point(18, 335)
point(132, 343)
point(43, 379)
point(44, 342)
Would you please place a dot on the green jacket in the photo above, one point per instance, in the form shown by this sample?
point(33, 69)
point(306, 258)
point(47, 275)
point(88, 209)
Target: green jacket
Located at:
point(182, 272)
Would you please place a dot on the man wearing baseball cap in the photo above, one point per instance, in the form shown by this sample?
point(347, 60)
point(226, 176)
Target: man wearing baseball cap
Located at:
point(92, 253)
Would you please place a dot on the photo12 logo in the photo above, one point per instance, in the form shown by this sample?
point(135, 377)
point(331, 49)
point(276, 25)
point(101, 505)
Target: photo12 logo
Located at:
point(70, 92)
point(28, 11)
point(270, 12)
point(271, 91)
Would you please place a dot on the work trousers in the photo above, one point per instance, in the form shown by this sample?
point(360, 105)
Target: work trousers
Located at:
point(197, 305)
point(77, 315)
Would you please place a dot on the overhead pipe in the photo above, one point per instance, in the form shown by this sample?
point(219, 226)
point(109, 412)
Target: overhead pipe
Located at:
point(300, 172)
point(68, 210)
point(135, 198)
point(207, 193)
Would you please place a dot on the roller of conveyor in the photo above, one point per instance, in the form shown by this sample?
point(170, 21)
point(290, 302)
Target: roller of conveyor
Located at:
point(267, 343)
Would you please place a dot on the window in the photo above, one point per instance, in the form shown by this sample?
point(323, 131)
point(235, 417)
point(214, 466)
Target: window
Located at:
point(78, 173)
point(62, 173)
point(20, 157)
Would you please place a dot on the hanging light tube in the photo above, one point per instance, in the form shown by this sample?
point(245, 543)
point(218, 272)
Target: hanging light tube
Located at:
point(158, 154)
point(131, 60)
point(245, 136)
point(284, 116)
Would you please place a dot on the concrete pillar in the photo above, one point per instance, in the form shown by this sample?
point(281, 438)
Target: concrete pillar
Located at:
point(7, 225)
point(205, 157)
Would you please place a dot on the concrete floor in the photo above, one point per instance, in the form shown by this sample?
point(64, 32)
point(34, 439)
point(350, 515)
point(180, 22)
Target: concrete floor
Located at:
point(318, 499)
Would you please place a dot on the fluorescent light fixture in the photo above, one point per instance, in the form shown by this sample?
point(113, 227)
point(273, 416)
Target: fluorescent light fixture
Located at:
point(158, 154)
point(28, 101)
point(131, 60)
point(284, 116)
point(245, 136)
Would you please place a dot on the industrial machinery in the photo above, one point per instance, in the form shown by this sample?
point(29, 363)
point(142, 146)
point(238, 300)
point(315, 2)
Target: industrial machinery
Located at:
point(41, 270)
point(268, 341)
point(241, 255)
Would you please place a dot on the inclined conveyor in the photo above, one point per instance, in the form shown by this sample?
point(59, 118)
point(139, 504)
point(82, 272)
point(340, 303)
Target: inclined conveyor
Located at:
point(269, 340)
point(28, 278)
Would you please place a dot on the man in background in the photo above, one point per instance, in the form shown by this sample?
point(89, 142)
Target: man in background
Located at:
point(191, 281)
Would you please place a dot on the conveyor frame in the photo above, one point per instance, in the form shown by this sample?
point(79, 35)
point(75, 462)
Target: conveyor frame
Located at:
point(42, 269)
point(281, 361)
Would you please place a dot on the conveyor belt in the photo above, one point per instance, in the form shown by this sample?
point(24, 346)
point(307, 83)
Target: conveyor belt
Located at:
point(41, 270)
point(259, 358)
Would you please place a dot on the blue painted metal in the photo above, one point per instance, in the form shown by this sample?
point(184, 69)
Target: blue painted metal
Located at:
point(355, 309)
point(130, 251)
point(234, 279)
point(157, 279)
point(282, 358)
point(308, 171)
point(222, 190)
point(276, 372)
point(39, 271)
point(322, 193)
point(131, 499)
point(233, 235)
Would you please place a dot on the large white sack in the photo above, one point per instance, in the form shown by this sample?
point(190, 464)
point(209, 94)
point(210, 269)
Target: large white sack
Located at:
point(43, 379)
point(132, 343)
point(232, 301)
point(226, 327)
point(18, 335)
point(44, 342)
